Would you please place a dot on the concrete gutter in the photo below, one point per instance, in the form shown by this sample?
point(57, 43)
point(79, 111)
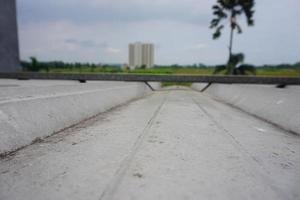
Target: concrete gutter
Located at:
point(279, 106)
point(176, 145)
point(34, 109)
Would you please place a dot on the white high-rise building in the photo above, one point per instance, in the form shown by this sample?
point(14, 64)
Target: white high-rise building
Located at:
point(141, 54)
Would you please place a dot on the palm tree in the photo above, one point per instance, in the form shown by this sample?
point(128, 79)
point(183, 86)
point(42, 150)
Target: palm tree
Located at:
point(231, 9)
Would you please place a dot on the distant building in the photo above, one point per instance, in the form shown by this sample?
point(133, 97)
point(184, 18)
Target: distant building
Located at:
point(141, 54)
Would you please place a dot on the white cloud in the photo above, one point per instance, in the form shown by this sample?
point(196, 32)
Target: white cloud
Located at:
point(200, 46)
point(113, 50)
point(100, 30)
point(196, 46)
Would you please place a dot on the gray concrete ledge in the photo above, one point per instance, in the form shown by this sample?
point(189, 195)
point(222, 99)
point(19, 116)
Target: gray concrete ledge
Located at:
point(36, 109)
point(156, 78)
point(278, 106)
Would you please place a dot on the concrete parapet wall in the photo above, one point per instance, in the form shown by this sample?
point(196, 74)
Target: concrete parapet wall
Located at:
point(278, 106)
point(153, 78)
point(36, 109)
point(9, 47)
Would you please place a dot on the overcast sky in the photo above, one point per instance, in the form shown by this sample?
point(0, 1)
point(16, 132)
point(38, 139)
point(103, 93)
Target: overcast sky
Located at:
point(100, 30)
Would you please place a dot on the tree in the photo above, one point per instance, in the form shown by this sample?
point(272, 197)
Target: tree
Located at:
point(235, 63)
point(34, 64)
point(143, 66)
point(230, 10)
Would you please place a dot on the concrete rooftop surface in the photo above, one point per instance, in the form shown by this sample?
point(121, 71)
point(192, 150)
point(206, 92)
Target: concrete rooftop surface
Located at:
point(176, 144)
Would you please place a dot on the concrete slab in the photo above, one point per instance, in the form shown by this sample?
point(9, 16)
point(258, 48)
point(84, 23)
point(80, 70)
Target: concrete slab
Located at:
point(170, 145)
point(199, 86)
point(279, 106)
point(31, 110)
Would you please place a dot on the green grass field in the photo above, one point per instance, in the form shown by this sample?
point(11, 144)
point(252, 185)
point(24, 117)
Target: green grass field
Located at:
point(279, 70)
point(166, 84)
point(194, 71)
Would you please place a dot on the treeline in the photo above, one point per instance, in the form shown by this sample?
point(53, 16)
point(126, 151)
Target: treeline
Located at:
point(35, 65)
point(278, 66)
point(281, 66)
point(177, 66)
point(38, 66)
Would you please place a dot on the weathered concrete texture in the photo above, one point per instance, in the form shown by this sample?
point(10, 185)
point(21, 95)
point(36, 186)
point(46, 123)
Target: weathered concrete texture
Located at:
point(36, 109)
point(9, 47)
point(155, 85)
point(170, 145)
point(278, 106)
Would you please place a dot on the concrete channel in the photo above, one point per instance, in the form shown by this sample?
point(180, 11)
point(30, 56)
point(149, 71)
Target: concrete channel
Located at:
point(32, 110)
point(279, 106)
point(169, 144)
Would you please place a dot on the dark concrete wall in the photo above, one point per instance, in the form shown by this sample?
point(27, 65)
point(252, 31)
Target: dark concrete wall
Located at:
point(156, 78)
point(9, 48)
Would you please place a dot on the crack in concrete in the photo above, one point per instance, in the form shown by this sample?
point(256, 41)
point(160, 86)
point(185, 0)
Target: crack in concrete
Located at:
point(120, 173)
